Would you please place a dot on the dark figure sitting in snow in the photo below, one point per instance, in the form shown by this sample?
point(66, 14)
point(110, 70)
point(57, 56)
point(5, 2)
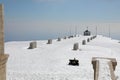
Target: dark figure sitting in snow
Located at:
point(74, 62)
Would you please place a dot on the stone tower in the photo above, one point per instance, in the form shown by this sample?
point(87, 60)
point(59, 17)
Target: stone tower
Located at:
point(3, 57)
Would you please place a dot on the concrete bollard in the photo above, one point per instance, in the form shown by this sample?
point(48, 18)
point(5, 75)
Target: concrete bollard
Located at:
point(76, 46)
point(91, 38)
point(71, 36)
point(65, 37)
point(59, 39)
point(83, 42)
point(75, 35)
point(94, 37)
point(88, 40)
point(49, 41)
point(33, 45)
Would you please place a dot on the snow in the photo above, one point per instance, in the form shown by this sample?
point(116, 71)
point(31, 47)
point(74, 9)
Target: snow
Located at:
point(104, 70)
point(50, 61)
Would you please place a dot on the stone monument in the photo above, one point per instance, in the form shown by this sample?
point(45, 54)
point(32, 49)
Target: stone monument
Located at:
point(3, 57)
point(76, 46)
point(49, 41)
point(33, 45)
point(84, 42)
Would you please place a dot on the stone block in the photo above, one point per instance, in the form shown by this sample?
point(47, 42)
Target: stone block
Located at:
point(113, 60)
point(91, 38)
point(49, 41)
point(33, 45)
point(70, 36)
point(59, 39)
point(88, 40)
point(65, 37)
point(76, 46)
point(84, 42)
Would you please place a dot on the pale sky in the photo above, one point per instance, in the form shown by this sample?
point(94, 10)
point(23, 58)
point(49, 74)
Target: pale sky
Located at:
point(44, 19)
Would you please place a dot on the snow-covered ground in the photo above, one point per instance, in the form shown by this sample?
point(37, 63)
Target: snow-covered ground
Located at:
point(104, 70)
point(50, 61)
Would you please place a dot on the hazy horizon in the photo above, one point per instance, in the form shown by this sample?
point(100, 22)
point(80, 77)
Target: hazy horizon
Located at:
point(44, 19)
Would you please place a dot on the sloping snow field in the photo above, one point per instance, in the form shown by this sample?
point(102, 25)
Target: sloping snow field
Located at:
point(50, 61)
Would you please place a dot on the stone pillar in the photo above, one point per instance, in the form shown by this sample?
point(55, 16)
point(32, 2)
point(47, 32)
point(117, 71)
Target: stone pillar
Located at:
point(1, 30)
point(84, 42)
point(65, 37)
point(33, 45)
point(91, 38)
point(49, 41)
point(88, 40)
point(95, 64)
point(59, 39)
point(3, 57)
point(76, 46)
